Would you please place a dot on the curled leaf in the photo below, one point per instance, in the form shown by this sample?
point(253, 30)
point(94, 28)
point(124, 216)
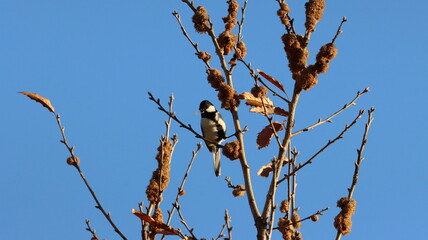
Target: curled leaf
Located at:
point(271, 80)
point(265, 170)
point(44, 101)
point(161, 228)
point(258, 102)
point(263, 138)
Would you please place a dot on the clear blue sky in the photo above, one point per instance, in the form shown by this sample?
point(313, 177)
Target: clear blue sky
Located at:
point(96, 60)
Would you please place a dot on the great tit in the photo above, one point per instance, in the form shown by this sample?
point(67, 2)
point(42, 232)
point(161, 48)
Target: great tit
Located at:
point(213, 130)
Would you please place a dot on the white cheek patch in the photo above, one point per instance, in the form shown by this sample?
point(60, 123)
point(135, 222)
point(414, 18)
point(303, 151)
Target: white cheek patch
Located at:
point(210, 109)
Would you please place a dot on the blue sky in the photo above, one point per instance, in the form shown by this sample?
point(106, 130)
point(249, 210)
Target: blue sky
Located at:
point(96, 60)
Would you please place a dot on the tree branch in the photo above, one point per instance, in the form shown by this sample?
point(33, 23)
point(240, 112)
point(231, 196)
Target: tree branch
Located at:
point(359, 94)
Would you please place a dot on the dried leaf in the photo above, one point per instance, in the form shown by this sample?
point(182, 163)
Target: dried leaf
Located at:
point(265, 170)
point(143, 216)
point(257, 105)
point(44, 101)
point(263, 138)
point(270, 110)
point(253, 101)
point(271, 80)
point(161, 228)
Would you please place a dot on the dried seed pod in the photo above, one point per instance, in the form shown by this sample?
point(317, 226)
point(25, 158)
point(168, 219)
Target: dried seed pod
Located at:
point(161, 176)
point(282, 13)
point(314, 12)
point(226, 41)
point(297, 53)
point(73, 161)
point(285, 206)
point(314, 218)
point(206, 57)
point(231, 150)
point(259, 91)
point(215, 78)
point(343, 222)
point(230, 19)
point(200, 20)
point(296, 220)
point(228, 97)
point(239, 191)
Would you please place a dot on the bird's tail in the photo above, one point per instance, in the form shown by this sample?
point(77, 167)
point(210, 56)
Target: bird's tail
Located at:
point(216, 155)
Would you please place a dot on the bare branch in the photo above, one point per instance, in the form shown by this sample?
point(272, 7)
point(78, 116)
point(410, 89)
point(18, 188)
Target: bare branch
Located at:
point(89, 229)
point(351, 103)
point(76, 165)
point(339, 31)
point(190, 230)
point(257, 79)
point(330, 142)
point(181, 187)
point(195, 45)
point(360, 153)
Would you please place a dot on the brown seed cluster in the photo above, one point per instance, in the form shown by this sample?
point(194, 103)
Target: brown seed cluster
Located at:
point(259, 91)
point(241, 52)
point(231, 150)
point(296, 220)
point(230, 19)
point(206, 57)
point(201, 20)
point(282, 13)
point(161, 176)
point(74, 161)
point(343, 222)
point(285, 206)
point(314, 218)
point(158, 217)
point(326, 53)
point(285, 226)
point(297, 53)
point(226, 40)
point(226, 94)
point(306, 76)
point(239, 191)
point(314, 12)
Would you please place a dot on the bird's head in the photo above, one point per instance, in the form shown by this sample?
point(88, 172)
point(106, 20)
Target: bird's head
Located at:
point(206, 106)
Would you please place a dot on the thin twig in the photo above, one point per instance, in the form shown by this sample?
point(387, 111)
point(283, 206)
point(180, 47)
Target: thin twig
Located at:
point(257, 78)
point(181, 187)
point(351, 103)
point(330, 142)
point(183, 29)
point(89, 229)
point(229, 228)
point(339, 29)
point(107, 215)
point(175, 118)
point(319, 212)
point(359, 160)
point(190, 230)
point(360, 153)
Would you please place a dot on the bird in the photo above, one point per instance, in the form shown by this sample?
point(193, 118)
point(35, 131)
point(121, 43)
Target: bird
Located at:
point(213, 130)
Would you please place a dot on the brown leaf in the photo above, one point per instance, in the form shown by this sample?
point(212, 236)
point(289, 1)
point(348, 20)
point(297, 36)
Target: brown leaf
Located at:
point(253, 101)
point(44, 101)
point(143, 216)
point(265, 170)
point(257, 105)
point(271, 80)
point(263, 138)
point(161, 228)
point(270, 110)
